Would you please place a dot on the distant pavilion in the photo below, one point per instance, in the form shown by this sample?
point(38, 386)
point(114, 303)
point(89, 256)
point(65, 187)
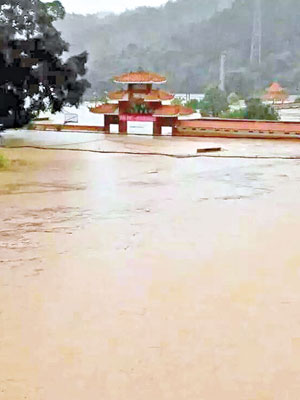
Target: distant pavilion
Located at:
point(140, 104)
point(276, 93)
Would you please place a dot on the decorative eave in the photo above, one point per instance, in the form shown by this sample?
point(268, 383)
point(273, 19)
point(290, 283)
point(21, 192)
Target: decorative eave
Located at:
point(276, 96)
point(121, 95)
point(173, 111)
point(159, 95)
point(275, 88)
point(140, 77)
point(275, 92)
point(109, 109)
point(154, 95)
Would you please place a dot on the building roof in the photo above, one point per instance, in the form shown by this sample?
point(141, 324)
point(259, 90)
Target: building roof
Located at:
point(105, 109)
point(140, 77)
point(275, 88)
point(118, 95)
point(275, 92)
point(154, 95)
point(173, 111)
point(159, 95)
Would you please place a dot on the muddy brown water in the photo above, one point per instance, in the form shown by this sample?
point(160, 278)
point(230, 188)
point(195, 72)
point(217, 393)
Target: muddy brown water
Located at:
point(146, 277)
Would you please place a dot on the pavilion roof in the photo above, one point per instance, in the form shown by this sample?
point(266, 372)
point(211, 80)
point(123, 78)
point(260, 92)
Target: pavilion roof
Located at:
point(275, 88)
point(118, 95)
point(275, 92)
point(154, 95)
point(159, 95)
point(140, 77)
point(173, 111)
point(105, 109)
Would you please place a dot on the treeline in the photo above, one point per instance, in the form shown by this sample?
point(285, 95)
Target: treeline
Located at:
point(184, 40)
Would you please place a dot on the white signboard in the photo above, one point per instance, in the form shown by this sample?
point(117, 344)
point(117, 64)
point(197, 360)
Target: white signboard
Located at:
point(140, 127)
point(166, 131)
point(114, 128)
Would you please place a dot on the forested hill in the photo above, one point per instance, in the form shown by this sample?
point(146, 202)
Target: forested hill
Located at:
point(184, 40)
point(231, 31)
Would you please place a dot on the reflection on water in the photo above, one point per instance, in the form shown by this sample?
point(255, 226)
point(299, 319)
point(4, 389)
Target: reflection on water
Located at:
point(150, 277)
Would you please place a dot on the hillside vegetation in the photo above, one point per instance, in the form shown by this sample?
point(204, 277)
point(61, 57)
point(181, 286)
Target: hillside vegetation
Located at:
point(184, 40)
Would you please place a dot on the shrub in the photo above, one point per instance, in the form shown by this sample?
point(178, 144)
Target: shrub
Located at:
point(214, 102)
point(255, 109)
point(177, 101)
point(236, 114)
point(140, 109)
point(194, 104)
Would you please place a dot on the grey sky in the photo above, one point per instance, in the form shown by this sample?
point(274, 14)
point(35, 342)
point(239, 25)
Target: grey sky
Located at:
point(94, 6)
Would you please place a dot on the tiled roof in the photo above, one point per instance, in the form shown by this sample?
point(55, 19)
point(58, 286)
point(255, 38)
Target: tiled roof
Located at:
point(154, 95)
point(275, 92)
point(173, 111)
point(278, 96)
point(274, 88)
point(159, 95)
point(119, 95)
point(140, 77)
point(185, 110)
point(104, 109)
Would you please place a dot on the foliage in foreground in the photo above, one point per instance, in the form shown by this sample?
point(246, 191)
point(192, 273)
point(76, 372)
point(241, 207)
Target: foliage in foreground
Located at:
point(33, 75)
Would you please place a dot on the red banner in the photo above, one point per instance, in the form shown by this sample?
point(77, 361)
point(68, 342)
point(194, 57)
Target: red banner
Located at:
point(137, 117)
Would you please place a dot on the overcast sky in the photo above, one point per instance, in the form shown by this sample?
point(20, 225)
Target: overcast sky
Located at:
point(117, 6)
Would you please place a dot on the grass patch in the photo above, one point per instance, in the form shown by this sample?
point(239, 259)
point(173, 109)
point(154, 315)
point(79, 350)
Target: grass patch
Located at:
point(12, 164)
point(4, 162)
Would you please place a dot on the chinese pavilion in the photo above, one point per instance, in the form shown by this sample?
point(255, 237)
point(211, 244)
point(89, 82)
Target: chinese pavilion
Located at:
point(140, 103)
point(275, 93)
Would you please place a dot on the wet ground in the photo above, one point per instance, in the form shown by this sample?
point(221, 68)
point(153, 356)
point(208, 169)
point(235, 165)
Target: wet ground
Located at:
point(136, 276)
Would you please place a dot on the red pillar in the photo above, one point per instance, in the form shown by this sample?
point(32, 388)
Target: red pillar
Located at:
point(106, 123)
point(122, 127)
point(157, 127)
point(174, 126)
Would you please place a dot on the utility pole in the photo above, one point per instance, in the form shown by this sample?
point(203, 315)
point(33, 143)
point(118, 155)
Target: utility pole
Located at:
point(255, 56)
point(222, 71)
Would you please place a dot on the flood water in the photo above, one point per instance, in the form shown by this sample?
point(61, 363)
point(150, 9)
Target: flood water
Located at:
point(128, 276)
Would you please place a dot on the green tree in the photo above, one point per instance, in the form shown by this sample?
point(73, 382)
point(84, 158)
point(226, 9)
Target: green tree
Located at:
point(233, 98)
point(236, 114)
point(194, 104)
point(214, 102)
point(178, 101)
point(54, 10)
point(255, 109)
point(33, 74)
